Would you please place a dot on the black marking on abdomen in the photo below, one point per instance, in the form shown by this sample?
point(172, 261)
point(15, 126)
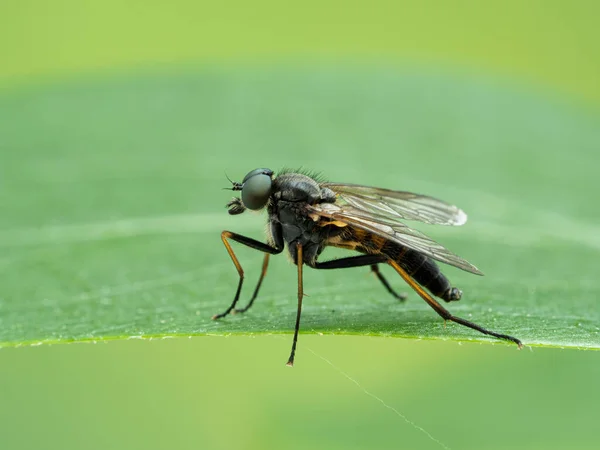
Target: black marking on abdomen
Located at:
point(421, 268)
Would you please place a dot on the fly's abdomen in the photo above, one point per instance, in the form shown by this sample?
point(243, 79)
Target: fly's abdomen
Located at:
point(426, 272)
point(420, 267)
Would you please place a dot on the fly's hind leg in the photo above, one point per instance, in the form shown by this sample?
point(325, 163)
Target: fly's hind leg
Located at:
point(402, 296)
point(359, 261)
point(443, 312)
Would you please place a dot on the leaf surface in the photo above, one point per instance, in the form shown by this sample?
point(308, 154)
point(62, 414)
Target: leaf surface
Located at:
point(111, 203)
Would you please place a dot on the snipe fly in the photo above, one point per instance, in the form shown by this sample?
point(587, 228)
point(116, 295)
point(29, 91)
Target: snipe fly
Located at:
point(308, 215)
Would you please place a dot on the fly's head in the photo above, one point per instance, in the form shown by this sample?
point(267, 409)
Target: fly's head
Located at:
point(256, 190)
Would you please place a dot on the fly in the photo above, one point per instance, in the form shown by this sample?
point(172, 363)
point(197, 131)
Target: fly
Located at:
point(309, 215)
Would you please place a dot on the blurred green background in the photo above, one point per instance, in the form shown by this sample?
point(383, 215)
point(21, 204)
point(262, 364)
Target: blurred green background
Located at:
point(235, 392)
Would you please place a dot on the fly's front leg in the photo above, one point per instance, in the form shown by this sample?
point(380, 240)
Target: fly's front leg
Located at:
point(257, 245)
point(260, 280)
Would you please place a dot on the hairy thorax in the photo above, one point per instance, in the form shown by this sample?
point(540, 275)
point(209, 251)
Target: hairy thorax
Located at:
point(295, 193)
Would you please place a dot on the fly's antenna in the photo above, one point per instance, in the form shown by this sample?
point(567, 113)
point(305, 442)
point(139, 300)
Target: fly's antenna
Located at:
point(236, 186)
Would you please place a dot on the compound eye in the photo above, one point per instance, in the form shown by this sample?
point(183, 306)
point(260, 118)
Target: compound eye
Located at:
point(257, 172)
point(256, 190)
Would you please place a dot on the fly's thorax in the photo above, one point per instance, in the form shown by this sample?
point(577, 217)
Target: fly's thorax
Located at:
point(297, 187)
point(297, 227)
point(294, 221)
point(293, 192)
point(327, 195)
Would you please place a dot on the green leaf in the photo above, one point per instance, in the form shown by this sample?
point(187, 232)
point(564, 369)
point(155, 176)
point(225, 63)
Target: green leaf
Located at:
point(111, 204)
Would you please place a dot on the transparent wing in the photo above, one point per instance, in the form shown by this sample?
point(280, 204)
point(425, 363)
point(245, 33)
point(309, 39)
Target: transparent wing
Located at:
point(394, 231)
point(398, 204)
